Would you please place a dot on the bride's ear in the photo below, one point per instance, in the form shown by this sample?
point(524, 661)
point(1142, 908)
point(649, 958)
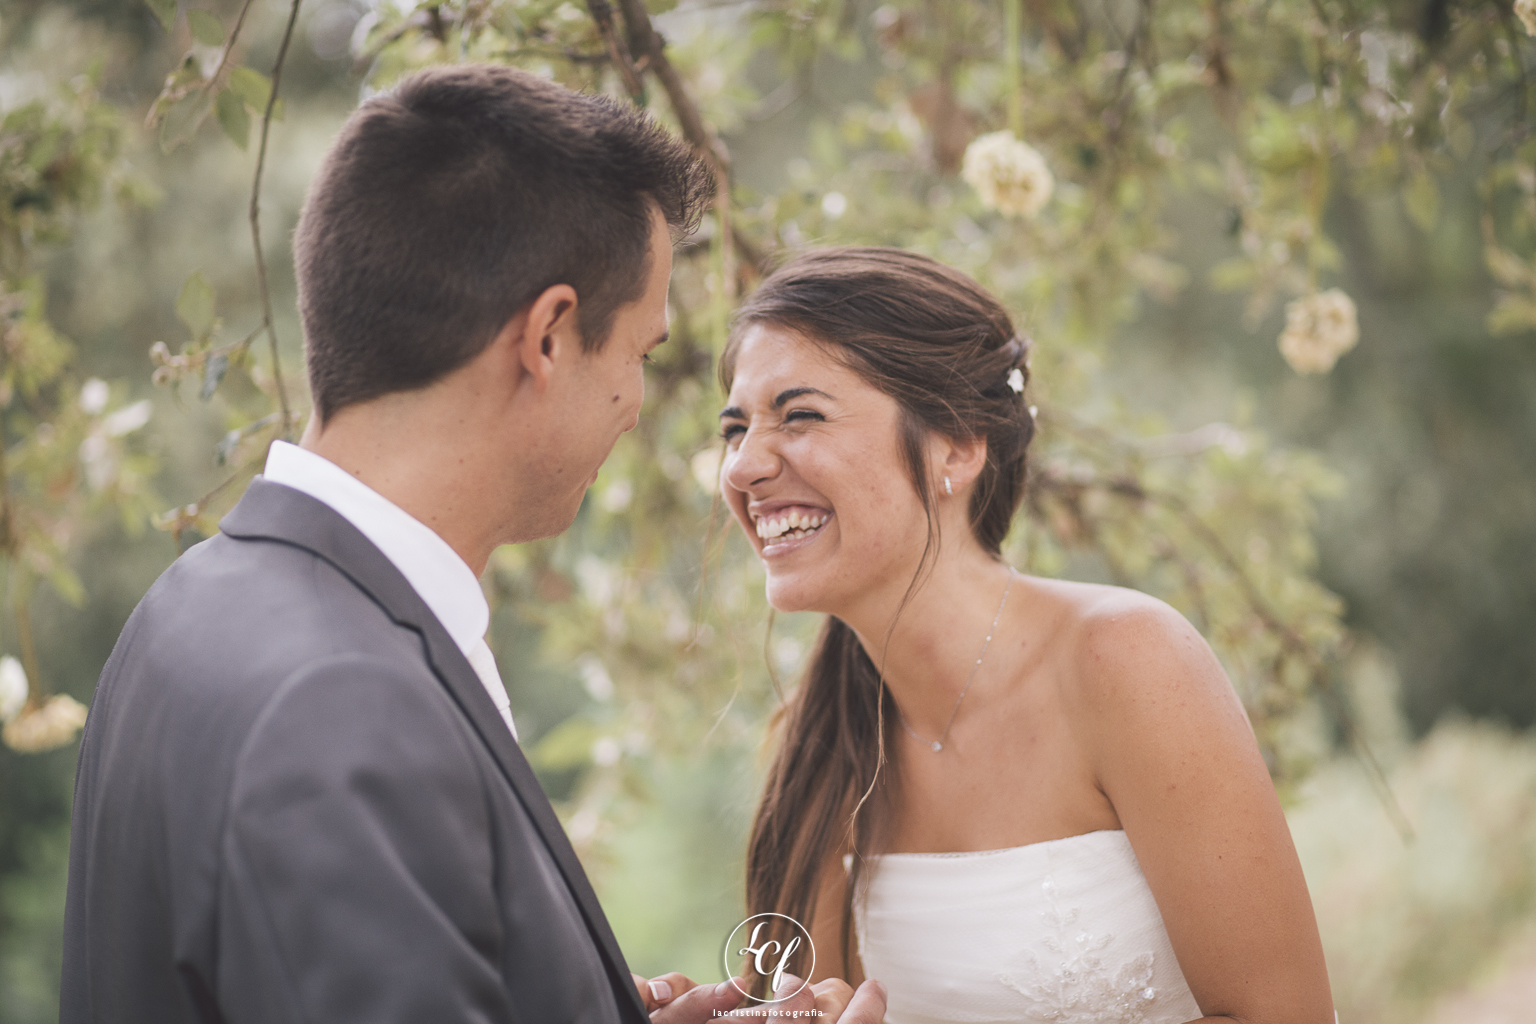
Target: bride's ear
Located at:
point(545, 334)
point(962, 460)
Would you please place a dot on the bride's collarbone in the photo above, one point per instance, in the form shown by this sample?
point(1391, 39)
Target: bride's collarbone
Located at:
point(963, 808)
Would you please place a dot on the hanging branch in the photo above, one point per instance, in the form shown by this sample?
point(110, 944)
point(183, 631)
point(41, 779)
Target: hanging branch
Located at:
point(602, 14)
point(229, 45)
point(261, 263)
point(648, 50)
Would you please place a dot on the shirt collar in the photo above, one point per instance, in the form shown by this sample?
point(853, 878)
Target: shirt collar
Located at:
point(442, 579)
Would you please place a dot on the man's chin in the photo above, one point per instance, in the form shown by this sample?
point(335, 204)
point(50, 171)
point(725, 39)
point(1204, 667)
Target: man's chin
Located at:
point(549, 521)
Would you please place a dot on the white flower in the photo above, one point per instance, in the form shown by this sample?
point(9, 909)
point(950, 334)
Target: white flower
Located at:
point(617, 495)
point(1010, 176)
point(44, 728)
point(1525, 10)
point(128, 419)
point(1016, 380)
point(96, 456)
point(13, 688)
point(595, 677)
point(834, 204)
point(93, 396)
point(1318, 329)
point(706, 469)
point(606, 751)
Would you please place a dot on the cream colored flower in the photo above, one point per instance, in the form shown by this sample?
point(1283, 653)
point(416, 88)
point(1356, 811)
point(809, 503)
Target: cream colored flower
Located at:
point(44, 728)
point(1318, 329)
point(1010, 176)
point(13, 688)
point(1525, 10)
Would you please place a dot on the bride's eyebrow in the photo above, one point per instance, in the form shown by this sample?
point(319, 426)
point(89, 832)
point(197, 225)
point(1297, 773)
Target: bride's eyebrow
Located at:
point(792, 393)
point(734, 412)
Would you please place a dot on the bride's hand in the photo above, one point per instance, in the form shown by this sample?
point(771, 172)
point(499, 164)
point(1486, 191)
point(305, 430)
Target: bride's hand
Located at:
point(832, 997)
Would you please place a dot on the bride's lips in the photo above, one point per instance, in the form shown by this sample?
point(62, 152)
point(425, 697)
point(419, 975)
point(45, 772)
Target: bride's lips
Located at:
point(783, 528)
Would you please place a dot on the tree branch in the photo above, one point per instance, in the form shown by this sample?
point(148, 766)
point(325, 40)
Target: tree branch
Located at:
point(261, 263)
point(602, 14)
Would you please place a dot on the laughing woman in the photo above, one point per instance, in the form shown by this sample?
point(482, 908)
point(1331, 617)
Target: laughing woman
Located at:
point(1008, 798)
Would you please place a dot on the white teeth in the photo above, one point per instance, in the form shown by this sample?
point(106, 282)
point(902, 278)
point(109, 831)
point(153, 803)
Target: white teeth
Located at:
point(795, 522)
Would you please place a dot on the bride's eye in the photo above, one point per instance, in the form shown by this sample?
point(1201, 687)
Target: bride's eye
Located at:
point(731, 431)
point(804, 416)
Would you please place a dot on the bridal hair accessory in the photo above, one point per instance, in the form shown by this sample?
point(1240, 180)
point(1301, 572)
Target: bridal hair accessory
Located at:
point(1017, 351)
point(947, 488)
point(938, 744)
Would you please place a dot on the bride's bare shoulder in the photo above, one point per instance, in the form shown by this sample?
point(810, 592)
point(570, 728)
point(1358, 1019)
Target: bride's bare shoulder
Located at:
point(1114, 644)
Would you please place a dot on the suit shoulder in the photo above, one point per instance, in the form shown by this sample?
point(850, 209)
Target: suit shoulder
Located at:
point(348, 718)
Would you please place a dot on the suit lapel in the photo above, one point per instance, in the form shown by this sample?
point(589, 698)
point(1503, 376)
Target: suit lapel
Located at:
point(276, 512)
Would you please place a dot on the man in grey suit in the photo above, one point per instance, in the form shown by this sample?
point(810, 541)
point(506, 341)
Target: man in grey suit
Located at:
point(300, 795)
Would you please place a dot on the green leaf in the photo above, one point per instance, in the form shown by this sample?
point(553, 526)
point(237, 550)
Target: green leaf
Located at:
point(251, 86)
point(1422, 200)
point(181, 119)
point(165, 12)
point(1514, 314)
point(194, 306)
point(567, 745)
point(67, 585)
point(206, 28)
point(233, 117)
point(213, 372)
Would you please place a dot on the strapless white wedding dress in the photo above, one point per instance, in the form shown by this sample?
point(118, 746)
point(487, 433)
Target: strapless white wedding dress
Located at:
point(1064, 932)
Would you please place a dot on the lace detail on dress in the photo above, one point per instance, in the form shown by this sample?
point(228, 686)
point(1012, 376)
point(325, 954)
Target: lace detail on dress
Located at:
point(1079, 987)
point(1060, 932)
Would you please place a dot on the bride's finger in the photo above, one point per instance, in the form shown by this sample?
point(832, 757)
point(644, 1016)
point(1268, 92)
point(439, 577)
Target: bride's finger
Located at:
point(832, 996)
point(867, 1005)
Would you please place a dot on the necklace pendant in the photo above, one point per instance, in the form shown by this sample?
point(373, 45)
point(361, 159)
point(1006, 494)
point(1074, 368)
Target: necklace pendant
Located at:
point(937, 746)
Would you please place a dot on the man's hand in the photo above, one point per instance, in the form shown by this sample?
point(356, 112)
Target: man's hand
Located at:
point(837, 1003)
point(661, 990)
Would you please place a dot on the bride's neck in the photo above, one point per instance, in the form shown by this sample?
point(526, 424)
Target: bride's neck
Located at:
point(928, 646)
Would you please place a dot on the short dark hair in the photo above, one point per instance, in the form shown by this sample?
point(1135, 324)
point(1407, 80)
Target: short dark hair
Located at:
point(453, 200)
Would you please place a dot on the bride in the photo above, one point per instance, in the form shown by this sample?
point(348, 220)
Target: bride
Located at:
point(1008, 798)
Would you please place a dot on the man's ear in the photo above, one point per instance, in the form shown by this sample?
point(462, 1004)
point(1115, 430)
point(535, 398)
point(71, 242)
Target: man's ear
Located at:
point(546, 333)
point(963, 458)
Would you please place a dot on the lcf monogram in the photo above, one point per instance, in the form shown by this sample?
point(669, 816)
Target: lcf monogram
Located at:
point(767, 949)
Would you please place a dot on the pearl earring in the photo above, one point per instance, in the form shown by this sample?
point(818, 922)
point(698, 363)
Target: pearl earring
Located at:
point(948, 489)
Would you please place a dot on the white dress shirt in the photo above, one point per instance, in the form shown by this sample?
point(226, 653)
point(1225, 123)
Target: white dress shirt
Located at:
point(442, 579)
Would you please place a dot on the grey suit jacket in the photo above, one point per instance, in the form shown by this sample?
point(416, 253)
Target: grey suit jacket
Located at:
point(296, 802)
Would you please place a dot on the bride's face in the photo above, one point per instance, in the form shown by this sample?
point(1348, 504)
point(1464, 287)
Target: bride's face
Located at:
point(814, 473)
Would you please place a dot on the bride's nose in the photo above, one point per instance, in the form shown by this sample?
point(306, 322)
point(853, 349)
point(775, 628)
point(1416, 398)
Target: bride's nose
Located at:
point(752, 463)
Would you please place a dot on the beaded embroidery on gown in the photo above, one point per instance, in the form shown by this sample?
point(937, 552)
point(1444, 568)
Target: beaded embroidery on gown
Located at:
point(1064, 931)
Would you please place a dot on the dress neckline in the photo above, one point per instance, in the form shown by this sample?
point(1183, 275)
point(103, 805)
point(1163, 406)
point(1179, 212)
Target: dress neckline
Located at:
point(992, 853)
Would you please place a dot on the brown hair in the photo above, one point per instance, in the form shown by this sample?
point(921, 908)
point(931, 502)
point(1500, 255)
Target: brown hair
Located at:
point(452, 201)
point(936, 342)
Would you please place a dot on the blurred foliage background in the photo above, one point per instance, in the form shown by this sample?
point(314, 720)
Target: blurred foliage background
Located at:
point(1276, 258)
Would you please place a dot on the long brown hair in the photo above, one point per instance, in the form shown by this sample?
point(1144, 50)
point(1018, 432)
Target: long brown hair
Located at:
point(936, 342)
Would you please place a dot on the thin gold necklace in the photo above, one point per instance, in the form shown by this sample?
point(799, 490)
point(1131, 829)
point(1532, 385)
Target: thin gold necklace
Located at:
point(938, 744)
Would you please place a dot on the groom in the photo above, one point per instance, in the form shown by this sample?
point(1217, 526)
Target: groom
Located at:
point(300, 794)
